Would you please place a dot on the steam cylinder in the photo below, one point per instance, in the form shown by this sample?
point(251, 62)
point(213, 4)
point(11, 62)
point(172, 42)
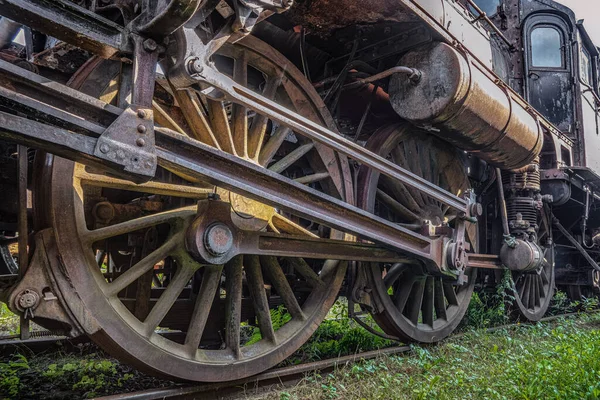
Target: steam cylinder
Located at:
point(462, 105)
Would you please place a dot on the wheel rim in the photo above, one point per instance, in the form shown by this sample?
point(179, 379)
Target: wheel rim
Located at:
point(134, 339)
point(416, 306)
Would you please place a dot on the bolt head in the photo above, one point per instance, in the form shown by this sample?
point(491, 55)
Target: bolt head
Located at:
point(218, 239)
point(150, 45)
point(141, 114)
point(195, 66)
point(28, 299)
point(140, 142)
point(104, 211)
point(104, 148)
point(141, 128)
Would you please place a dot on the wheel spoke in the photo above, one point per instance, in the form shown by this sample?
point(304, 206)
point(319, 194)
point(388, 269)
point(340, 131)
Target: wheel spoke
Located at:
point(450, 294)
point(144, 265)
point(291, 158)
point(193, 112)
point(308, 179)
point(541, 289)
point(411, 153)
point(403, 161)
point(305, 271)
point(256, 135)
point(416, 300)
point(521, 281)
point(162, 118)
point(400, 193)
point(220, 125)
point(396, 207)
point(402, 294)
point(137, 224)
point(256, 285)
point(239, 112)
point(278, 279)
point(152, 187)
point(273, 144)
point(167, 299)
point(393, 274)
point(544, 276)
point(526, 291)
point(428, 301)
point(534, 293)
point(440, 303)
point(210, 283)
point(285, 225)
point(233, 304)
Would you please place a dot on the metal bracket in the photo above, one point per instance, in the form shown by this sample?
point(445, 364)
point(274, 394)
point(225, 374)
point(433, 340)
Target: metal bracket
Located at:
point(129, 141)
point(37, 295)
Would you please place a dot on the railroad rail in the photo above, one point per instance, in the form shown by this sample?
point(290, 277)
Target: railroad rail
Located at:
point(285, 376)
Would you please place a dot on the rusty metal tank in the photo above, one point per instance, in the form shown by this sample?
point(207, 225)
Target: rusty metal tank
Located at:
point(467, 107)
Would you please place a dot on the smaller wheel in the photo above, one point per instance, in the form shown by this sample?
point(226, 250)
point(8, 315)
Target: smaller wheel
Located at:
point(533, 291)
point(416, 306)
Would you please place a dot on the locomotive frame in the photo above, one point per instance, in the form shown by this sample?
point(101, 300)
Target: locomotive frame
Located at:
point(426, 216)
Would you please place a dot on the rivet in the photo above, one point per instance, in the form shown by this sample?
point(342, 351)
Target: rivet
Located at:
point(140, 142)
point(141, 128)
point(141, 114)
point(104, 148)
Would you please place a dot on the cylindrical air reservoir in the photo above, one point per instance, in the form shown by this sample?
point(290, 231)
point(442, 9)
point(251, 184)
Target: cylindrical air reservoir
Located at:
point(466, 107)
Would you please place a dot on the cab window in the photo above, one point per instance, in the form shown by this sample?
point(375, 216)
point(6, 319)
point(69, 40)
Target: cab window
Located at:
point(546, 47)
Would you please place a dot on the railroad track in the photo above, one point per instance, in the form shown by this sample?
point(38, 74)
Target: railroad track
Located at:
point(280, 377)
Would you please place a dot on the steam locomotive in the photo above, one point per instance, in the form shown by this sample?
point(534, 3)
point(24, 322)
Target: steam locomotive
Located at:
point(176, 173)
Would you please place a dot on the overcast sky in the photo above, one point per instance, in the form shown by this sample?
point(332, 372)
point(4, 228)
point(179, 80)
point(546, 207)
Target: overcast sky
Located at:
point(589, 11)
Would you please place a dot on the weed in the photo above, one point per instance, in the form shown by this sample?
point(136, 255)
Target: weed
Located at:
point(9, 322)
point(557, 360)
point(490, 308)
point(10, 383)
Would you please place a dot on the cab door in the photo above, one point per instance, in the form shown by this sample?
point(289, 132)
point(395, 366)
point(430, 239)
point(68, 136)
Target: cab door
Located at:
point(548, 80)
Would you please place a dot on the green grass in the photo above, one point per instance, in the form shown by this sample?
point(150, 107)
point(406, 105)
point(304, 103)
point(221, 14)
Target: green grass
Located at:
point(81, 373)
point(508, 364)
point(559, 360)
point(9, 322)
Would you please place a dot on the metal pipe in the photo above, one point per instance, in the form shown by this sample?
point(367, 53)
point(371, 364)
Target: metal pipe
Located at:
point(414, 75)
point(502, 203)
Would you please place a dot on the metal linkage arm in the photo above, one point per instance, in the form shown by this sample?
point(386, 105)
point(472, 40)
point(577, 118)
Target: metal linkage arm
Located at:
point(70, 135)
point(71, 23)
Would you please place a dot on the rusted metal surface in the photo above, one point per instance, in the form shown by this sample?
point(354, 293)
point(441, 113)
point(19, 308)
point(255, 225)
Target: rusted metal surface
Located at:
point(326, 15)
point(467, 108)
point(198, 310)
point(190, 46)
point(282, 172)
point(408, 312)
point(214, 238)
point(207, 163)
point(69, 22)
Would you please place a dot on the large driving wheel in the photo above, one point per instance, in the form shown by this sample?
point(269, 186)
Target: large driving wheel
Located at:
point(416, 305)
point(122, 244)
